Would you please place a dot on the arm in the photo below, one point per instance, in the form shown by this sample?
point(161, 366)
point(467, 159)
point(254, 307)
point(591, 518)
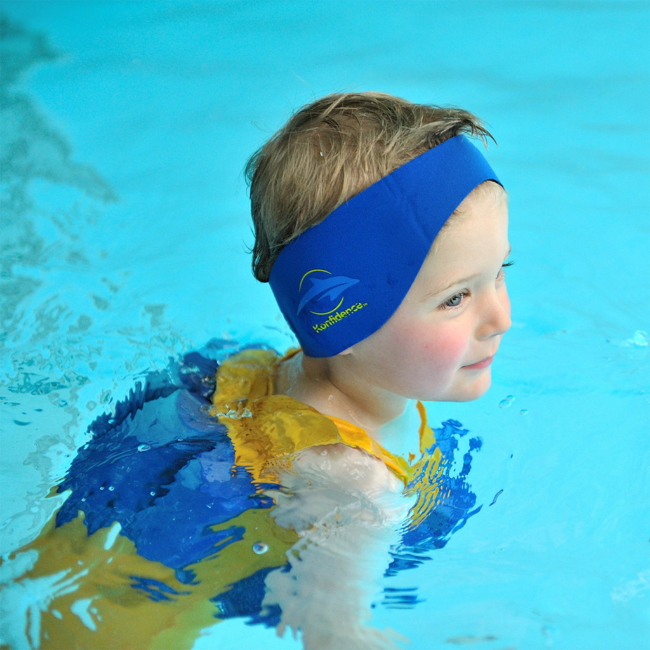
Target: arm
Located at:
point(344, 505)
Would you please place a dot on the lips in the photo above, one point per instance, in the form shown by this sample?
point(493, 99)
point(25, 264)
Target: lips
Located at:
point(483, 363)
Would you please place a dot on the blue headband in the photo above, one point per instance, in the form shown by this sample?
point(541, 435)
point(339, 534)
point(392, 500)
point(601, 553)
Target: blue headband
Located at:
point(341, 280)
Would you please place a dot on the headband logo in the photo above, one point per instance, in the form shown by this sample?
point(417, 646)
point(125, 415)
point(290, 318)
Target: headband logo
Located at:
point(331, 287)
point(328, 287)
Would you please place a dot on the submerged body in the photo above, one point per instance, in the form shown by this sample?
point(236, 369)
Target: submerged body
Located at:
point(188, 508)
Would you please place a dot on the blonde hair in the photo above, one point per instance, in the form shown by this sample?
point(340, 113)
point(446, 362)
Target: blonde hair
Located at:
point(332, 149)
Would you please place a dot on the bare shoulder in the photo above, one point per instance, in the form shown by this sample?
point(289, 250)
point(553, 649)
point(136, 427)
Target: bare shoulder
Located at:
point(348, 468)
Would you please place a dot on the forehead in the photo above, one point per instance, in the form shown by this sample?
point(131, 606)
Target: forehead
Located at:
point(472, 242)
point(482, 200)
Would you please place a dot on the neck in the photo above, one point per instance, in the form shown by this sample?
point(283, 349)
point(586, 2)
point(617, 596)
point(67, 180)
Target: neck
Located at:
point(331, 386)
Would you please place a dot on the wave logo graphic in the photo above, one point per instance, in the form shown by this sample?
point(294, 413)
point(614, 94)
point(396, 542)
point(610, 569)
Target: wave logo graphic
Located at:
point(323, 291)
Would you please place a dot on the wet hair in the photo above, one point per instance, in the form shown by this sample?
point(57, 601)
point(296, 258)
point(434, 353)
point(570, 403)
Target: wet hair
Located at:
point(332, 149)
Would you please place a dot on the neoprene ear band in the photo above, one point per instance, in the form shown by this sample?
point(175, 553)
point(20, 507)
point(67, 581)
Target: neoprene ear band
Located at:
point(341, 280)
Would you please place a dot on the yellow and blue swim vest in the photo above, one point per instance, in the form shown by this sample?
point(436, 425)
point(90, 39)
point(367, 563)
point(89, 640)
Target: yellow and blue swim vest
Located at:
point(169, 499)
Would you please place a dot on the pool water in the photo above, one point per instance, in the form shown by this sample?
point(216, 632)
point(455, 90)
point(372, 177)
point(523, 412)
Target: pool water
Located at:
point(125, 226)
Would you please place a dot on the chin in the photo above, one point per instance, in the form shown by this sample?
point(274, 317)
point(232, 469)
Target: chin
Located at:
point(465, 389)
point(471, 391)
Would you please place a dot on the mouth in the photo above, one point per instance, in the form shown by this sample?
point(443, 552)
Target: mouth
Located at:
point(483, 363)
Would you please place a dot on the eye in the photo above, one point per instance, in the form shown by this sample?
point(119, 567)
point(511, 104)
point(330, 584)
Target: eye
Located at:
point(503, 266)
point(455, 301)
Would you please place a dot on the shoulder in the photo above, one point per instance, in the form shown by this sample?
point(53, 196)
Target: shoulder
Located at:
point(346, 467)
point(338, 486)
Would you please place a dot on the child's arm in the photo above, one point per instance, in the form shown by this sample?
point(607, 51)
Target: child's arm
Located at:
point(343, 503)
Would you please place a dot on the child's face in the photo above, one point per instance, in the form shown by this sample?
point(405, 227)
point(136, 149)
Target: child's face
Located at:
point(453, 316)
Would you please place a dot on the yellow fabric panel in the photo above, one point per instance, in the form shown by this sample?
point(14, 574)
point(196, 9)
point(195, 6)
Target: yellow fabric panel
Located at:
point(427, 437)
point(244, 376)
point(80, 567)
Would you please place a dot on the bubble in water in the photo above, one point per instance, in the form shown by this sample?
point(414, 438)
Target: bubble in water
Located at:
point(102, 487)
point(237, 414)
point(144, 447)
point(639, 338)
point(507, 402)
point(153, 494)
point(523, 412)
point(62, 402)
point(260, 548)
point(111, 489)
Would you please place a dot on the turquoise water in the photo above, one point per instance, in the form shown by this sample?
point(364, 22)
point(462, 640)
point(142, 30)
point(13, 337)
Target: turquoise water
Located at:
point(124, 231)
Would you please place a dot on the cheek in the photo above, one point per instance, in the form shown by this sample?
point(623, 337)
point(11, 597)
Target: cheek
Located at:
point(439, 349)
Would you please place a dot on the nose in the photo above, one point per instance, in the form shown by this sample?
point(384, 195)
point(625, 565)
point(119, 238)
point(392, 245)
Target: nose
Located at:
point(495, 319)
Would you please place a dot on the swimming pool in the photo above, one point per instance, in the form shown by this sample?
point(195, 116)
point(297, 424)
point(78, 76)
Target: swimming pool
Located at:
point(126, 127)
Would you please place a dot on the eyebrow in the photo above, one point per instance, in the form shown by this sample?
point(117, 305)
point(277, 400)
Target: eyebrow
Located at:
point(430, 294)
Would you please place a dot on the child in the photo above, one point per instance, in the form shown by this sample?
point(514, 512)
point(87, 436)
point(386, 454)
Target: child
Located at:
point(383, 233)
point(271, 492)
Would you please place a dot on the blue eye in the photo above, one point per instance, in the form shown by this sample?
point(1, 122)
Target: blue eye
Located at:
point(455, 301)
